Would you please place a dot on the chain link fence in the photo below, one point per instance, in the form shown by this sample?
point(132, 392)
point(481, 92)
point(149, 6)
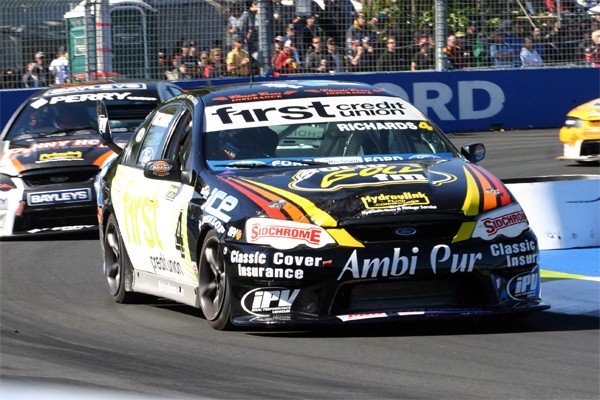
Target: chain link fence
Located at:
point(43, 42)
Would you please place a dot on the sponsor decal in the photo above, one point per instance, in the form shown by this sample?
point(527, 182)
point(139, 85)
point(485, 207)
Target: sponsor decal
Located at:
point(396, 200)
point(140, 135)
point(141, 98)
point(146, 155)
point(214, 223)
point(188, 97)
point(3, 203)
point(64, 156)
point(519, 261)
point(382, 158)
point(440, 256)
point(141, 219)
point(160, 168)
point(172, 192)
point(524, 286)
point(316, 110)
point(514, 253)
point(71, 228)
point(102, 86)
point(363, 316)
point(168, 287)
point(282, 234)
point(162, 264)
point(59, 144)
point(337, 177)
point(59, 197)
point(205, 191)
point(377, 126)
point(509, 221)
point(79, 98)
point(219, 204)
point(270, 273)
point(263, 302)
point(236, 98)
point(234, 233)
point(247, 258)
point(280, 258)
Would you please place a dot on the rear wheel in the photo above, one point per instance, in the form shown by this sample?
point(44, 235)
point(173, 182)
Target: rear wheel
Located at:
point(117, 266)
point(213, 285)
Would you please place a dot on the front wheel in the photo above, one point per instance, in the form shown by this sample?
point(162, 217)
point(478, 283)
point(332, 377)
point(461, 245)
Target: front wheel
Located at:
point(213, 285)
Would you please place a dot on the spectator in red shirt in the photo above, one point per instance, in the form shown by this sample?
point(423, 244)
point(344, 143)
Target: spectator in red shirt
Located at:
point(592, 53)
point(286, 63)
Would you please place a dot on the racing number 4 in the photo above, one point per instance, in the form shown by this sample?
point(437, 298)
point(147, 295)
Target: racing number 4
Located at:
point(179, 237)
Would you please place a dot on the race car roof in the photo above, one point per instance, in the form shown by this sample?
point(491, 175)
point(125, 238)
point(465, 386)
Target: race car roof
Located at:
point(286, 90)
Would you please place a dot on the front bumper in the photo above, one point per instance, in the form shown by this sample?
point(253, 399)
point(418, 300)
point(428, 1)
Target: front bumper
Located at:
point(410, 281)
point(580, 144)
point(27, 210)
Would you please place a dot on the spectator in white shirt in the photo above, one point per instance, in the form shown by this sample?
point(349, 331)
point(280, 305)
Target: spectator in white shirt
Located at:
point(529, 55)
point(59, 67)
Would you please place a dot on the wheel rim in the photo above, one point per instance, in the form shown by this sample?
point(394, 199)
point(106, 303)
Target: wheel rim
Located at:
point(212, 279)
point(113, 266)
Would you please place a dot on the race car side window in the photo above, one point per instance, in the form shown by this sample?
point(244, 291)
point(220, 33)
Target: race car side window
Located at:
point(154, 137)
point(182, 129)
point(133, 148)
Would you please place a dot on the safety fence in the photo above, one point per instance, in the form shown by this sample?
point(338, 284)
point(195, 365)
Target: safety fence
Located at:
point(43, 42)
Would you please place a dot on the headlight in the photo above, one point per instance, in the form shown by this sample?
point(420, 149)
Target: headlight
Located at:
point(509, 221)
point(572, 122)
point(285, 235)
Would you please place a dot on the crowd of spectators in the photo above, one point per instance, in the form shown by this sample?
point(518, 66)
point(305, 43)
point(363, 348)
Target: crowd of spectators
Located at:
point(337, 39)
point(314, 44)
point(38, 72)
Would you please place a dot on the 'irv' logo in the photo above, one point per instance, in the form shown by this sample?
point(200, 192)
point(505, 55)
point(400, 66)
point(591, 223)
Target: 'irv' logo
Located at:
point(263, 302)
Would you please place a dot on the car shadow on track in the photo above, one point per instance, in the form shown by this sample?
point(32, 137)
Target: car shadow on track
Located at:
point(540, 322)
point(546, 321)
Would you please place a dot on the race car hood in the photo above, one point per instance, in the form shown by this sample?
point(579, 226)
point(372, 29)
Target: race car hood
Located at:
point(589, 110)
point(329, 195)
point(82, 149)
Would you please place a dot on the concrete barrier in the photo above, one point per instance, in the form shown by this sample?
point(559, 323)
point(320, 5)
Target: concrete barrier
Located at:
point(563, 211)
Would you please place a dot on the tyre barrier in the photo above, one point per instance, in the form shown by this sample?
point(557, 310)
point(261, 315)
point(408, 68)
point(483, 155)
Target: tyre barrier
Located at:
point(563, 211)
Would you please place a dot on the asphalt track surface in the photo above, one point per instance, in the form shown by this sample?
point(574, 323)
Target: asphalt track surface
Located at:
point(63, 337)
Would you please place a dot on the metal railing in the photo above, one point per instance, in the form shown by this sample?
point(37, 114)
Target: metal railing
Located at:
point(193, 39)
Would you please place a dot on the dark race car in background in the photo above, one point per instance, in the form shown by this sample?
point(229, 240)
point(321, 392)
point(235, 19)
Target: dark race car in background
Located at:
point(51, 152)
point(311, 202)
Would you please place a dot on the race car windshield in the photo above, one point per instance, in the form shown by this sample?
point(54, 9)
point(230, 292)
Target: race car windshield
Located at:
point(332, 142)
point(42, 118)
point(332, 130)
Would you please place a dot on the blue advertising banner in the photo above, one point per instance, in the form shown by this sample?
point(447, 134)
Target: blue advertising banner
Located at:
point(458, 101)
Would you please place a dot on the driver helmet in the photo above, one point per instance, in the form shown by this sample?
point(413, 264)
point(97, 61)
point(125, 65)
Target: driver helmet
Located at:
point(73, 119)
point(247, 143)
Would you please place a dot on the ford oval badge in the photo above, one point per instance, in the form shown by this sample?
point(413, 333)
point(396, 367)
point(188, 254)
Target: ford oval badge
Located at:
point(405, 231)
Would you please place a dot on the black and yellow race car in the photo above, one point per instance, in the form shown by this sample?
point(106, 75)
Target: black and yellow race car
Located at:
point(310, 202)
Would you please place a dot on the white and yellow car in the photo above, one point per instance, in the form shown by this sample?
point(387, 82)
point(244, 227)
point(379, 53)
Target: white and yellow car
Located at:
point(580, 134)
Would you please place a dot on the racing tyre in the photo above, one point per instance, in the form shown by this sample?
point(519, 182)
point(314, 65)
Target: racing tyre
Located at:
point(117, 266)
point(213, 285)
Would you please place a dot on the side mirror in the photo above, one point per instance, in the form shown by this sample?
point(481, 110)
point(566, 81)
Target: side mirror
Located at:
point(106, 137)
point(473, 152)
point(167, 170)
